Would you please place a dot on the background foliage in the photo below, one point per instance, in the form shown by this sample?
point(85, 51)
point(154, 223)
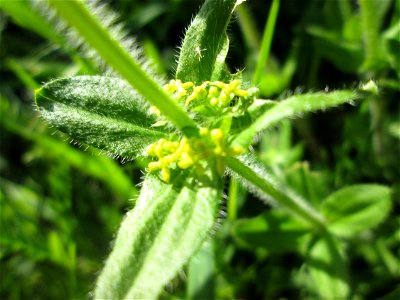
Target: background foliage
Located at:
point(61, 204)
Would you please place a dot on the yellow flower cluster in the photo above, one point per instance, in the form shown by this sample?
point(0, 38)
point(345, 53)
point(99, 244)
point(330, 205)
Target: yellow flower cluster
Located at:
point(218, 94)
point(189, 151)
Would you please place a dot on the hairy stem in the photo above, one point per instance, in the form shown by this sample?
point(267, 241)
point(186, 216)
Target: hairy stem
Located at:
point(296, 206)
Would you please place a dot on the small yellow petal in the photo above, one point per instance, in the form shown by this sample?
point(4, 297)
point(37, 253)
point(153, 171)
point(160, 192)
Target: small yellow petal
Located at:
point(216, 134)
point(204, 131)
point(166, 174)
point(188, 85)
point(185, 163)
point(155, 165)
point(214, 101)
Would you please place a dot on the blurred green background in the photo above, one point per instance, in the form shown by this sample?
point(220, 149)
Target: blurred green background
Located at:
point(62, 202)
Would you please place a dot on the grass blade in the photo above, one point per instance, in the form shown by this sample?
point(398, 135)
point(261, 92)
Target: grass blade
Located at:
point(266, 41)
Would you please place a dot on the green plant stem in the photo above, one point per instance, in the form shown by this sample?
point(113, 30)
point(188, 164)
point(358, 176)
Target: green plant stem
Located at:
point(369, 23)
point(77, 15)
point(266, 41)
point(296, 206)
point(376, 113)
point(233, 199)
point(370, 28)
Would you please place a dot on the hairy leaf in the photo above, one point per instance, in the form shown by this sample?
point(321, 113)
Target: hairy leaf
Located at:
point(220, 69)
point(169, 223)
point(206, 44)
point(356, 208)
point(99, 111)
point(291, 108)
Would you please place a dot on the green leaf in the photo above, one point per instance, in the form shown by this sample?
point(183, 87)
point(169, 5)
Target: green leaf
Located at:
point(328, 269)
point(274, 230)
point(206, 44)
point(99, 111)
point(167, 226)
point(200, 278)
point(220, 70)
point(353, 209)
point(293, 107)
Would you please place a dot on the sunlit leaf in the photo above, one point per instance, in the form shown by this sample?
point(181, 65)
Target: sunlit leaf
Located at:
point(328, 268)
point(168, 224)
point(200, 282)
point(99, 111)
point(205, 46)
point(353, 209)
